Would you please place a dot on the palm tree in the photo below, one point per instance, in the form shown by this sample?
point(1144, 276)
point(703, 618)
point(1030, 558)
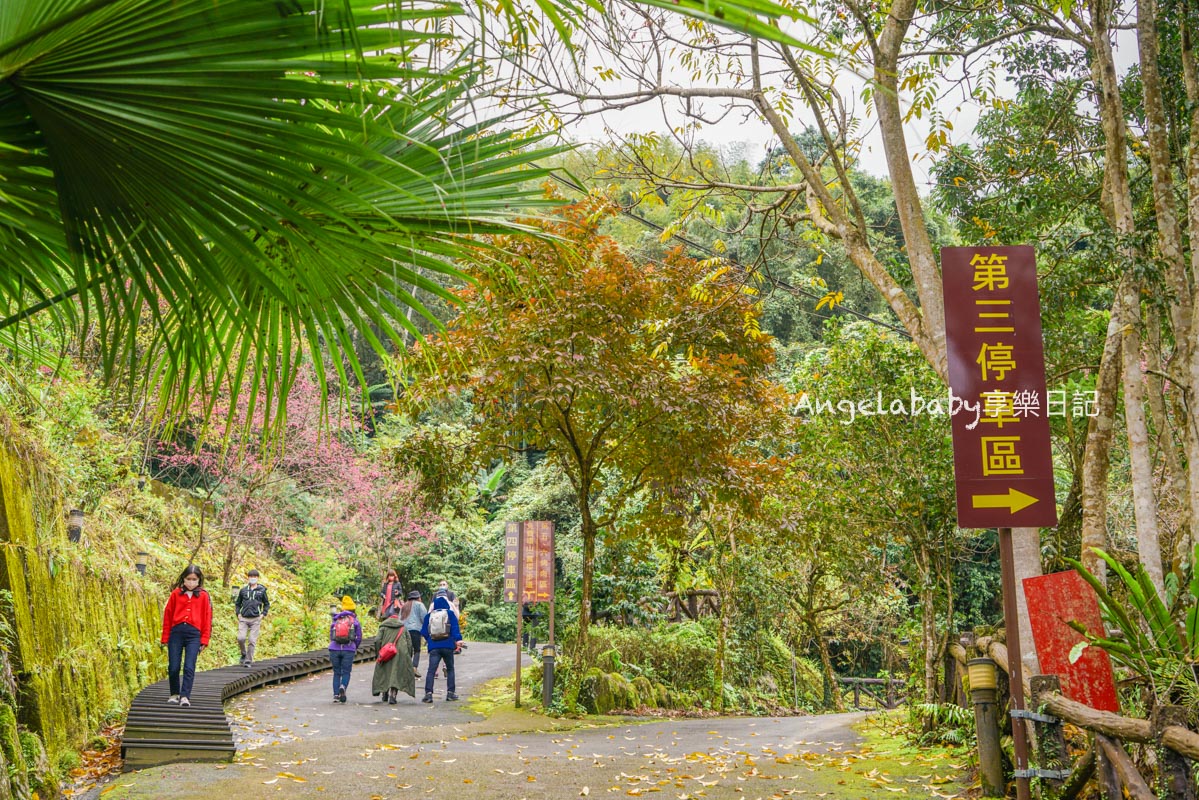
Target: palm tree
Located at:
point(246, 179)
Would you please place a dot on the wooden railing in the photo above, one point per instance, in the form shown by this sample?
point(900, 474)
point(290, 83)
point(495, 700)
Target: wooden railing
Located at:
point(1175, 744)
point(886, 693)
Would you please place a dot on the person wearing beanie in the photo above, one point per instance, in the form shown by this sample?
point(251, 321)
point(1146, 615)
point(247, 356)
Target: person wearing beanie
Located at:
point(345, 634)
point(413, 614)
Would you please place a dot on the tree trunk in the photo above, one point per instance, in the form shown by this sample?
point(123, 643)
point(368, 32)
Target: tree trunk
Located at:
point(929, 640)
point(1026, 556)
point(727, 587)
point(1190, 369)
point(826, 663)
point(1127, 321)
point(1096, 458)
point(589, 532)
point(227, 566)
point(917, 243)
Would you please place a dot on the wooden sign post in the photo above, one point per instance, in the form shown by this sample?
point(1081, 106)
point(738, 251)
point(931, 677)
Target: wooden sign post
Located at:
point(999, 413)
point(528, 575)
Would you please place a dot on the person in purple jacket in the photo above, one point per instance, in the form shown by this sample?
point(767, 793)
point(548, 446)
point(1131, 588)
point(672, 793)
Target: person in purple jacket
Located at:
point(345, 634)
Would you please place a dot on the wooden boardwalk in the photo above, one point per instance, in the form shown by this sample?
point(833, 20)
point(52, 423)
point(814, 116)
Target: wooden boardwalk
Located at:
point(158, 732)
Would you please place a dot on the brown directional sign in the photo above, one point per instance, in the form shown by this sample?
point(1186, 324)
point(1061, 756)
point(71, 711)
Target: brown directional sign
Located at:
point(536, 548)
point(511, 560)
point(539, 562)
point(1002, 459)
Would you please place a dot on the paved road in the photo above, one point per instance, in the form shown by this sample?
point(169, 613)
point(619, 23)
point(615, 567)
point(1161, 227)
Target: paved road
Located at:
point(305, 708)
point(296, 743)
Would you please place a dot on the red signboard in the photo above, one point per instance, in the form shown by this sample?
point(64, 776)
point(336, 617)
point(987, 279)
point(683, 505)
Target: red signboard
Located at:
point(536, 548)
point(1054, 601)
point(1002, 459)
point(539, 562)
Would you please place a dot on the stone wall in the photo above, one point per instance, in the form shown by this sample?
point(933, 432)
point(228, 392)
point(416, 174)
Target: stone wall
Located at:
point(79, 635)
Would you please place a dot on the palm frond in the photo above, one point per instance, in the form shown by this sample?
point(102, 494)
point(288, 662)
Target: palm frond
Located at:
point(237, 175)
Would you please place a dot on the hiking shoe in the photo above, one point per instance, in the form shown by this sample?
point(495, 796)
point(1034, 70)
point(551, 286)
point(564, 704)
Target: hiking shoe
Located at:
point(173, 699)
point(341, 696)
point(428, 698)
point(451, 696)
point(183, 701)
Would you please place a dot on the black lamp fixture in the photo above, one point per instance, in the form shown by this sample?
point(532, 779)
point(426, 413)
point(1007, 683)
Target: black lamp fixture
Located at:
point(75, 525)
point(142, 558)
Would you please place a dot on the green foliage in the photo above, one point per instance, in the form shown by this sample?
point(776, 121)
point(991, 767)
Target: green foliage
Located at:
point(943, 723)
point(1155, 644)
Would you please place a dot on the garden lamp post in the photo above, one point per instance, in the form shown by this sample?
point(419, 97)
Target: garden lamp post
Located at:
point(142, 558)
point(75, 525)
point(547, 675)
point(984, 695)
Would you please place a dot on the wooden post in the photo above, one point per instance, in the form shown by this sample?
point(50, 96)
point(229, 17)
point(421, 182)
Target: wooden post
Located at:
point(520, 601)
point(1011, 624)
point(1083, 769)
point(1105, 773)
point(1174, 770)
point(1124, 769)
point(1051, 741)
point(986, 727)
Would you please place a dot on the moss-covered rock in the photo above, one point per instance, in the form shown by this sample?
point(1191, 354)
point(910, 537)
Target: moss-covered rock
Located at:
point(661, 695)
point(646, 696)
point(14, 757)
point(609, 661)
point(43, 779)
point(595, 692)
point(5, 785)
point(623, 692)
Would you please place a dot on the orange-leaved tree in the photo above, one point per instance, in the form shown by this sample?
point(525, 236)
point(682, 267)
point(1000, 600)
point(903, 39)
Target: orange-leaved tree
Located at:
point(637, 376)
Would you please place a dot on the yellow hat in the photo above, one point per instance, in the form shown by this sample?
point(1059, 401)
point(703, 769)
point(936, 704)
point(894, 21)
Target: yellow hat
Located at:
point(347, 603)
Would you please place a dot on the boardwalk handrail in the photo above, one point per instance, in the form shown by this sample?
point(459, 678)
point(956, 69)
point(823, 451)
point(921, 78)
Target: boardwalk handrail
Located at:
point(892, 698)
point(157, 732)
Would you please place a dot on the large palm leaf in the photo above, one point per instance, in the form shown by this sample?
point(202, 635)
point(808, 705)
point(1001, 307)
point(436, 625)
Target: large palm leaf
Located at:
point(239, 174)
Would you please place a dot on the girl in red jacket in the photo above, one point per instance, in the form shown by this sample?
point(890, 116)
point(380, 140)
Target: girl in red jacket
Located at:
point(186, 626)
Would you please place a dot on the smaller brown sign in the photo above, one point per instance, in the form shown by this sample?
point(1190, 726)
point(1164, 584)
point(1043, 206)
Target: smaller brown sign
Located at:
point(511, 560)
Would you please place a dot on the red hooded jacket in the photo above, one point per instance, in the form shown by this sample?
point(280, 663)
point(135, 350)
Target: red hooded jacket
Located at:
point(195, 610)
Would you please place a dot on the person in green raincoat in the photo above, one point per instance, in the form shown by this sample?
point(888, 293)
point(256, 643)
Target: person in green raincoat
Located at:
point(394, 675)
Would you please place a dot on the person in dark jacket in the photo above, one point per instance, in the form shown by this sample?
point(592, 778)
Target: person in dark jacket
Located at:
point(341, 653)
point(186, 627)
point(441, 649)
point(252, 606)
point(391, 595)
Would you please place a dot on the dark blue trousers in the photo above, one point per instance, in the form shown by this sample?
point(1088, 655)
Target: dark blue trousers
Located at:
point(438, 656)
point(183, 644)
point(343, 662)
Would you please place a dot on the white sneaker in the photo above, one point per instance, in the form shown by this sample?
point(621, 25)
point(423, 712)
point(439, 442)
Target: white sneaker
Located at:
point(183, 701)
point(173, 699)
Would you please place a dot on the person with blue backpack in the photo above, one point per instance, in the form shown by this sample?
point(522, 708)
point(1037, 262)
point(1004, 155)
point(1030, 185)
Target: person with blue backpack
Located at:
point(443, 640)
point(345, 634)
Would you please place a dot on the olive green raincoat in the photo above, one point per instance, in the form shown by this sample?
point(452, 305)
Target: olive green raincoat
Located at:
point(396, 673)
